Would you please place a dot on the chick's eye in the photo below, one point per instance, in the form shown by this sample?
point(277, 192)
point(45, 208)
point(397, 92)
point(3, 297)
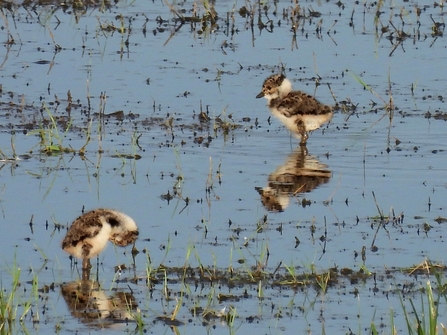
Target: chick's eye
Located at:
point(113, 222)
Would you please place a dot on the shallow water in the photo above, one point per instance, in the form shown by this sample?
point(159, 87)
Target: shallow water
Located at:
point(154, 77)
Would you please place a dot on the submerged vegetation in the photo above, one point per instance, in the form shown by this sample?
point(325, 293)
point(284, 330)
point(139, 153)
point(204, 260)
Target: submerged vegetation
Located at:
point(227, 262)
point(214, 295)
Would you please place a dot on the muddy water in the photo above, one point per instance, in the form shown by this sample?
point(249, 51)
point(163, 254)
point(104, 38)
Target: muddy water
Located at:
point(140, 93)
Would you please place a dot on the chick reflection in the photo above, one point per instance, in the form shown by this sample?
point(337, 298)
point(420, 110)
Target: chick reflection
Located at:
point(301, 173)
point(89, 303)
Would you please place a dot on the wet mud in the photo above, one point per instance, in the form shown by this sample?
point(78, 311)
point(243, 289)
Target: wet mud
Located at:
point(150, 108)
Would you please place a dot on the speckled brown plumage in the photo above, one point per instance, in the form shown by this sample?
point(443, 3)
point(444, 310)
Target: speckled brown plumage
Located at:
point(298, 111)
point(84, 227)
point(89, 233)
point(123, 239)
point(299, 103)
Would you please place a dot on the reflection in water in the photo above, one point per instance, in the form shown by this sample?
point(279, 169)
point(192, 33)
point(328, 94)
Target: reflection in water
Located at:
point(301, 173)
point(90, 304)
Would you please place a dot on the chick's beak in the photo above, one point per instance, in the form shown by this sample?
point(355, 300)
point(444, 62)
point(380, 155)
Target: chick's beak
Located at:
point(260, 95)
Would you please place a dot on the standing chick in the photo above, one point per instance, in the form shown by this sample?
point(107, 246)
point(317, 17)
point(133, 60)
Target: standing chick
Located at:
point(89, 233)
point(298, 111)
